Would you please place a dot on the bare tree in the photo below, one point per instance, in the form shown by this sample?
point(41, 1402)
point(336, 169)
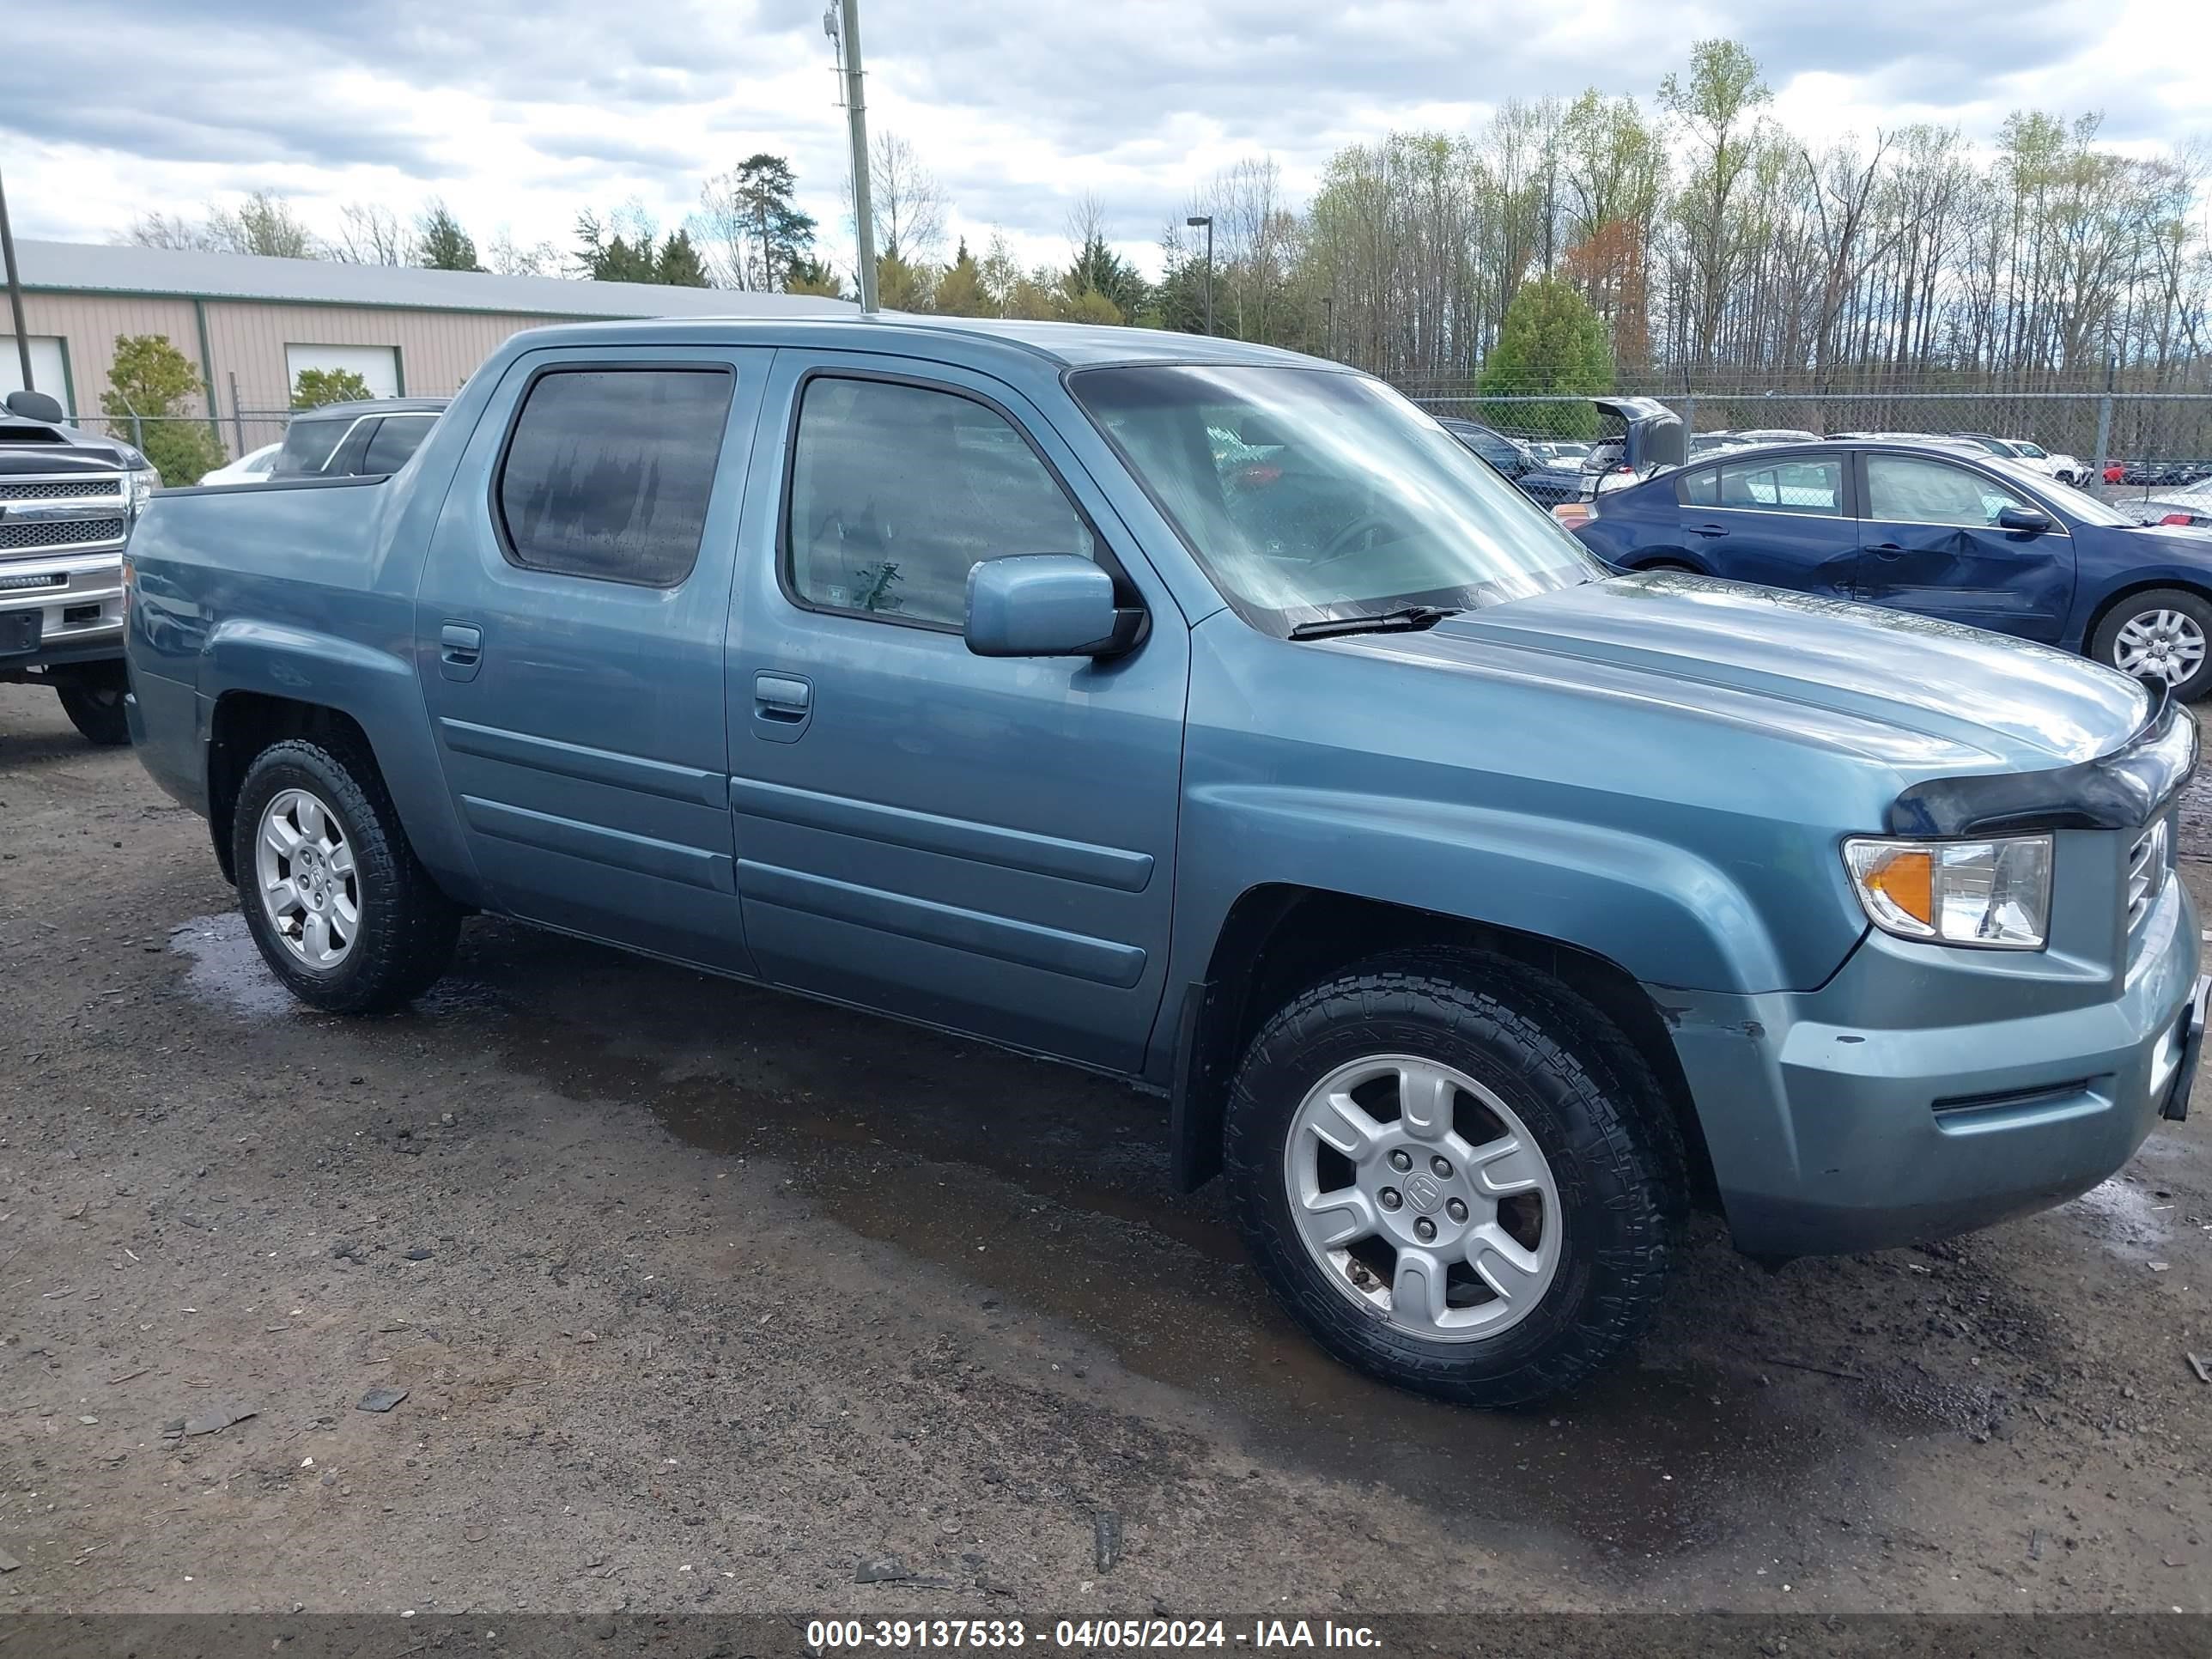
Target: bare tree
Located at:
point(909, 205)
point(373, 235)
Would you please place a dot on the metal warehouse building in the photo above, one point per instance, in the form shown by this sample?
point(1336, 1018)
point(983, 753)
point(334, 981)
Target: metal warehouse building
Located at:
point(253, 324)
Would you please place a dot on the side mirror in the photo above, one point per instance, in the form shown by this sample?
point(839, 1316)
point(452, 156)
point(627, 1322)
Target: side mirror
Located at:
point(35, 407)
point(2026, 520)
point(1046, 604)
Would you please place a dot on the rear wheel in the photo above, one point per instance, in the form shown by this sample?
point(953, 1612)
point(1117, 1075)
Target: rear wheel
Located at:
point(1455, 1175)
point(340, 908)
point(2162, 634)
point(92, 699)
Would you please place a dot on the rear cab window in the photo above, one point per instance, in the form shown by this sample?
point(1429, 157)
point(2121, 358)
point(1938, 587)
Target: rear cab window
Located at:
point(607, 470)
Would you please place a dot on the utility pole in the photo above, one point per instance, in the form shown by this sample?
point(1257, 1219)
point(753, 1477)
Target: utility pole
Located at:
point(14, 291)
point(848, 37)
point(1193, 221)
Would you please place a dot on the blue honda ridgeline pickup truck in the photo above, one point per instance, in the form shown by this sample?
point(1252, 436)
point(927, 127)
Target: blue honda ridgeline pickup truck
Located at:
point(1207, 715)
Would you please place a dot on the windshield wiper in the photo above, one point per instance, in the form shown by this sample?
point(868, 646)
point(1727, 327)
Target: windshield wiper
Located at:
point(1411, 619)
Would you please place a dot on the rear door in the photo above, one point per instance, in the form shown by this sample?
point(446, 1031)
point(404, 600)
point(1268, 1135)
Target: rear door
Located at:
point(1783, 521)
point(1932, 544)
point(569, 633)
point(986, 844)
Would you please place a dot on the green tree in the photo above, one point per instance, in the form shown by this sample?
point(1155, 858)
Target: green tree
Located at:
point(679, 265)
point(810, 276)
point(153, 380)
point(317, 387)
point(1088, 307)
point(1550, 343)
point(753, 228)
point(903, 286)
point(606, 254)
point(444, 245)
point(1098, 270)
point(960, 289)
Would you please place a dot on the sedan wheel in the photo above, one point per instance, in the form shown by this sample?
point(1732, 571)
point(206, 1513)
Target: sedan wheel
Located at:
point(2160, 645)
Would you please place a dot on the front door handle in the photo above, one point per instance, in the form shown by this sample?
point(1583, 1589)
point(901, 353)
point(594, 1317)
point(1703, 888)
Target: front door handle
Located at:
point(782, 705)
point(1887, 550)
point(460, 650)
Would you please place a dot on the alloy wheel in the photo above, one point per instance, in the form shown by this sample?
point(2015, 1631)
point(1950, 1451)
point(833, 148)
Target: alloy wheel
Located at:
point(1422, 1196)
point(310, 888)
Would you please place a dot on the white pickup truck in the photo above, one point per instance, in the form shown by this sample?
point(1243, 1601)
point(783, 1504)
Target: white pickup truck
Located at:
point(67, 502)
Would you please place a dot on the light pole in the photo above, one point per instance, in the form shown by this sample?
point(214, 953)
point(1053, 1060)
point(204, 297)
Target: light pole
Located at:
point(1193, 221)
point(15, 292)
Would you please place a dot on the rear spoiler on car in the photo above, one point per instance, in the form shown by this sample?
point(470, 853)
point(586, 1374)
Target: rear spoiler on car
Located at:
point(1655, 438)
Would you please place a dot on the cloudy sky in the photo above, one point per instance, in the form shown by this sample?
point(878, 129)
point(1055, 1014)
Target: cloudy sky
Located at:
point(520, 114)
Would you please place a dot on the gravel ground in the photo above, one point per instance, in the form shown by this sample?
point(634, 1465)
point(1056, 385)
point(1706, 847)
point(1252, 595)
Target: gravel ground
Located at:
point(704, 1298)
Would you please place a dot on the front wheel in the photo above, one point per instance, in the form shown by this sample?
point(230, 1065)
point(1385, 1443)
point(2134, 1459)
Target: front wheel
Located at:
point(2162, 634)
point(93, 699)
point(334, 897)
point(1457, 1177)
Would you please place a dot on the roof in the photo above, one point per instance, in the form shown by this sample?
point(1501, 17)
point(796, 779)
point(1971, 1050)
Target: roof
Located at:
point(1062, 345)
point(94, 268)
point(355, 408)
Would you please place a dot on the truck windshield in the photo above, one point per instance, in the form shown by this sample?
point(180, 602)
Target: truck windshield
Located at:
point(1313, 496)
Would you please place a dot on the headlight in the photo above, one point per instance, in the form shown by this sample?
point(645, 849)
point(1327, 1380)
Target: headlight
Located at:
point(1993, 894)
point(144, 481)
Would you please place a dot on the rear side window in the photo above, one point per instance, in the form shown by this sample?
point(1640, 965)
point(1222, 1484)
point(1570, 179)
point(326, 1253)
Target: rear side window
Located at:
point(396, 439)
point(308, 444)
point(608, 471)
point(1796, 485)
point(897, 491)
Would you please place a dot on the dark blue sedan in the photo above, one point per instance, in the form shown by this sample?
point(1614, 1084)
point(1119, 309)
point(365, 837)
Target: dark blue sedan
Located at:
point(1969, 539)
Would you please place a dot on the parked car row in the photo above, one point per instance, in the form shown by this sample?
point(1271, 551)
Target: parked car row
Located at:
point(1946, 531)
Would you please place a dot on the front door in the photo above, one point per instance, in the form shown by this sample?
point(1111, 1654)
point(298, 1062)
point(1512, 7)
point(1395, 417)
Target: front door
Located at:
point(1782, 521)
point(983, 844)
point(1932, 544)
point(569, 633)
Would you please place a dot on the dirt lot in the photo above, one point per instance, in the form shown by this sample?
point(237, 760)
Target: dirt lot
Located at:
point(707, 1299)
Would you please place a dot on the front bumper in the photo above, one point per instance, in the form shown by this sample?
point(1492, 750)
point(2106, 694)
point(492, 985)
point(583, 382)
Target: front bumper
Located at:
point(78, 598)
point(1830, 1135)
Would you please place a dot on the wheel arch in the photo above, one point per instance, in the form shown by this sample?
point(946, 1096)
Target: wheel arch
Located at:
point(1278, 938)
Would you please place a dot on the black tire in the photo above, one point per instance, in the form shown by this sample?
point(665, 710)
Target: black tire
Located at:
point(2105, 641)
point(1679, 565)
point(92, 699)
point(408, 927)
point(1587, 1099)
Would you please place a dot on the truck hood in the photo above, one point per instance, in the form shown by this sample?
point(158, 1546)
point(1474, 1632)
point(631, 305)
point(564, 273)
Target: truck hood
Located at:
point(1927, 698)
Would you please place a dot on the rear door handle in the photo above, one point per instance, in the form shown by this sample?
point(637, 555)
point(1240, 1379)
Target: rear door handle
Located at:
point(782, 705)
point(460, 650)
point(1707, 530)
point(1887, 550)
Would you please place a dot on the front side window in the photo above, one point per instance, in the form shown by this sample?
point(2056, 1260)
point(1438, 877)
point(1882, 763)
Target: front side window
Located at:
point(608, 472)
point(1813, 486)
point(1905, 490)
point(897, 491)
point(1335, 498)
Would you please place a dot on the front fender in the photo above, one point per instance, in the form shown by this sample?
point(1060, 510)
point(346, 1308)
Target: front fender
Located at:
point(1665, 916)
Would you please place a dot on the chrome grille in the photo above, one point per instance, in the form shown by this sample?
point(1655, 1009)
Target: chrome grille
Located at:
point(54, 489)
point(60, 532)
point(2148, 861)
